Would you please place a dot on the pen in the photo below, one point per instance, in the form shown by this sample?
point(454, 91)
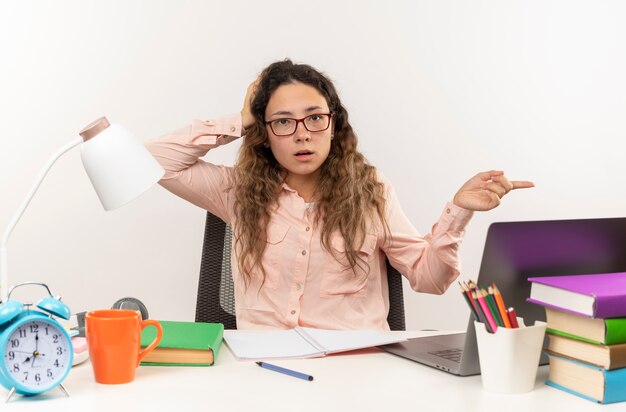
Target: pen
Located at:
point(285, 371)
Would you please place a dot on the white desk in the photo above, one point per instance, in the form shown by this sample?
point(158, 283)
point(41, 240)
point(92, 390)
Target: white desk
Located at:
point(368, 380)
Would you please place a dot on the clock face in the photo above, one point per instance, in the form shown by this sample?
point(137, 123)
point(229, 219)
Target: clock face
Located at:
point(37, 354)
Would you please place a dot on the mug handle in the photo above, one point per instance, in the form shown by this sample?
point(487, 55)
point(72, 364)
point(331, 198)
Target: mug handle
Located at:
point(148, 349)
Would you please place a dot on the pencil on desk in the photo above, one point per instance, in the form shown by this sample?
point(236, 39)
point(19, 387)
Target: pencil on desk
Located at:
point(285, 371)
point(501, 307)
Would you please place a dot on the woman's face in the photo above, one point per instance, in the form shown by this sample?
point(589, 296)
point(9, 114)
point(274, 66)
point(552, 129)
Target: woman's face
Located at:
point(302, 152)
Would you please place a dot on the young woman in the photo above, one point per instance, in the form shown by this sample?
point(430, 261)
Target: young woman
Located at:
point(313, 222)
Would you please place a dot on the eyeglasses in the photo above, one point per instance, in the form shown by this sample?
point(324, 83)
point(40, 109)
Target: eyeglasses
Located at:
point(317, 122)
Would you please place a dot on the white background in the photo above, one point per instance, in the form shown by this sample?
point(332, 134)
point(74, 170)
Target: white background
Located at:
point(436, 90)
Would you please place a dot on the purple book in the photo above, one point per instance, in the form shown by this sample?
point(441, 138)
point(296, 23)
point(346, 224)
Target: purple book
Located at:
point(596, 296)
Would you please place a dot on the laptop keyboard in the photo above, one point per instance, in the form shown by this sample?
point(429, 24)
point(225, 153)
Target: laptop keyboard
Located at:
point(453, 355)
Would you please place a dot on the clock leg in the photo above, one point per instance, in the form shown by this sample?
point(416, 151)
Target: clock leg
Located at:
point(10, 394)
point(63, 390)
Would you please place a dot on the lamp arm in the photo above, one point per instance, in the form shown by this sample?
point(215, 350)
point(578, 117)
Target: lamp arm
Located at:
point(4, 279)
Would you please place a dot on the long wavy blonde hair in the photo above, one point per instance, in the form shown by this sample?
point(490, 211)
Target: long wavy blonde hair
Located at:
point(349, 196)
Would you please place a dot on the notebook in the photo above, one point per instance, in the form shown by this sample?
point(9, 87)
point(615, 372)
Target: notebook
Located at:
point(513, 252)
point(301, 342)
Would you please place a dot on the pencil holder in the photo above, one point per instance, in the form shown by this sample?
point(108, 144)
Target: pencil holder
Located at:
point(509, 358)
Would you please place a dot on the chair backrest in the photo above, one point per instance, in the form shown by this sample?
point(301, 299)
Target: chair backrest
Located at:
point(216, 293)
point(395, 318)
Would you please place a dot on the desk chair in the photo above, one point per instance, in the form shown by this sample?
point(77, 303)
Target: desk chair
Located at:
point(216, 293)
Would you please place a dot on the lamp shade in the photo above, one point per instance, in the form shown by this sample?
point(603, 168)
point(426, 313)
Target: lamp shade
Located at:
point(119, 166)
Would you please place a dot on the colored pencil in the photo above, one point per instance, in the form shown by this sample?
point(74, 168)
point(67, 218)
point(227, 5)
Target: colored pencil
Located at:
point(485, 307)
point(513, 318)
point(488, 294)
point(492, 308)
point(468, 298)
point(471, 284)
point(501, 306)
point(481, 315)
point(468, 291)
point(474, 291)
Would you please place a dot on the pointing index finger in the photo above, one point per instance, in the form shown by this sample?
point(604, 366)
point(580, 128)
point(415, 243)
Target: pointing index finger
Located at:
point(522, 184)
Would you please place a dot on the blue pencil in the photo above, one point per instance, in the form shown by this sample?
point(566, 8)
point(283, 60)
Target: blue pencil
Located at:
point(285, 371)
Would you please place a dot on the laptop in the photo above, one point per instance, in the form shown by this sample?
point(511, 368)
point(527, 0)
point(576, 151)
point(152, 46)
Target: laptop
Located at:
point(515, 251)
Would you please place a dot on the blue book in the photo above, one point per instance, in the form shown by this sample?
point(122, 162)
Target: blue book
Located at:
point(587, 381)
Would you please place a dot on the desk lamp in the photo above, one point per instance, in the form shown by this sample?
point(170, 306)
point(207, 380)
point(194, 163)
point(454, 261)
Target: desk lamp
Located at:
point(120, 169)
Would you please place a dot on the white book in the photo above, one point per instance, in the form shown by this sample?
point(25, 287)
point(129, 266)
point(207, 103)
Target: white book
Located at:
point(301, 342)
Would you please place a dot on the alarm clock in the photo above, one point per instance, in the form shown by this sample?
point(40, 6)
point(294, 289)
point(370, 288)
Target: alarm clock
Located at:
point(36, 349)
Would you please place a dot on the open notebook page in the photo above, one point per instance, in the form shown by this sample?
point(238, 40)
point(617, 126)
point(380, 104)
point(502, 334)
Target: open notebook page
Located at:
point(344, 340)
point(269, 344)
point(301, 342)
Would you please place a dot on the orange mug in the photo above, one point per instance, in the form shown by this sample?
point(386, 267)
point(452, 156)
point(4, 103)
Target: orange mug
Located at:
point(114, 339)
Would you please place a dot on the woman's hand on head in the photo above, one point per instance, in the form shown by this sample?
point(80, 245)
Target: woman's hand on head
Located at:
point(485, 190)
point(247, 119)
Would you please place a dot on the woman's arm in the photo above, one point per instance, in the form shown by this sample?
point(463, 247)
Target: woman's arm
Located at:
point(431, 263)
point(189, 177)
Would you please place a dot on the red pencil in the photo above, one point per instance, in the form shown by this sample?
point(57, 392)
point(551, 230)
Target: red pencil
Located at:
point(467, 292)
point(512, 317)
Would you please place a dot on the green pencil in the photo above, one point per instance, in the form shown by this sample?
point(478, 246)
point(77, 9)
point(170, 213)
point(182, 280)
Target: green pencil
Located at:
point(492, 307)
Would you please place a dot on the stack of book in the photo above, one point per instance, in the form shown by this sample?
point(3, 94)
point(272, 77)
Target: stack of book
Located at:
point(586, 325)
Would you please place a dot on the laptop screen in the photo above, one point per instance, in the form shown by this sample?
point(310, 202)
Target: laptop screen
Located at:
point(515, 251)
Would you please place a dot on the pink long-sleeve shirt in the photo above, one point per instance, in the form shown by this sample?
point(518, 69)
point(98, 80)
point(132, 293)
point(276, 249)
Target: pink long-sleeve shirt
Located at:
point(305, 285)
